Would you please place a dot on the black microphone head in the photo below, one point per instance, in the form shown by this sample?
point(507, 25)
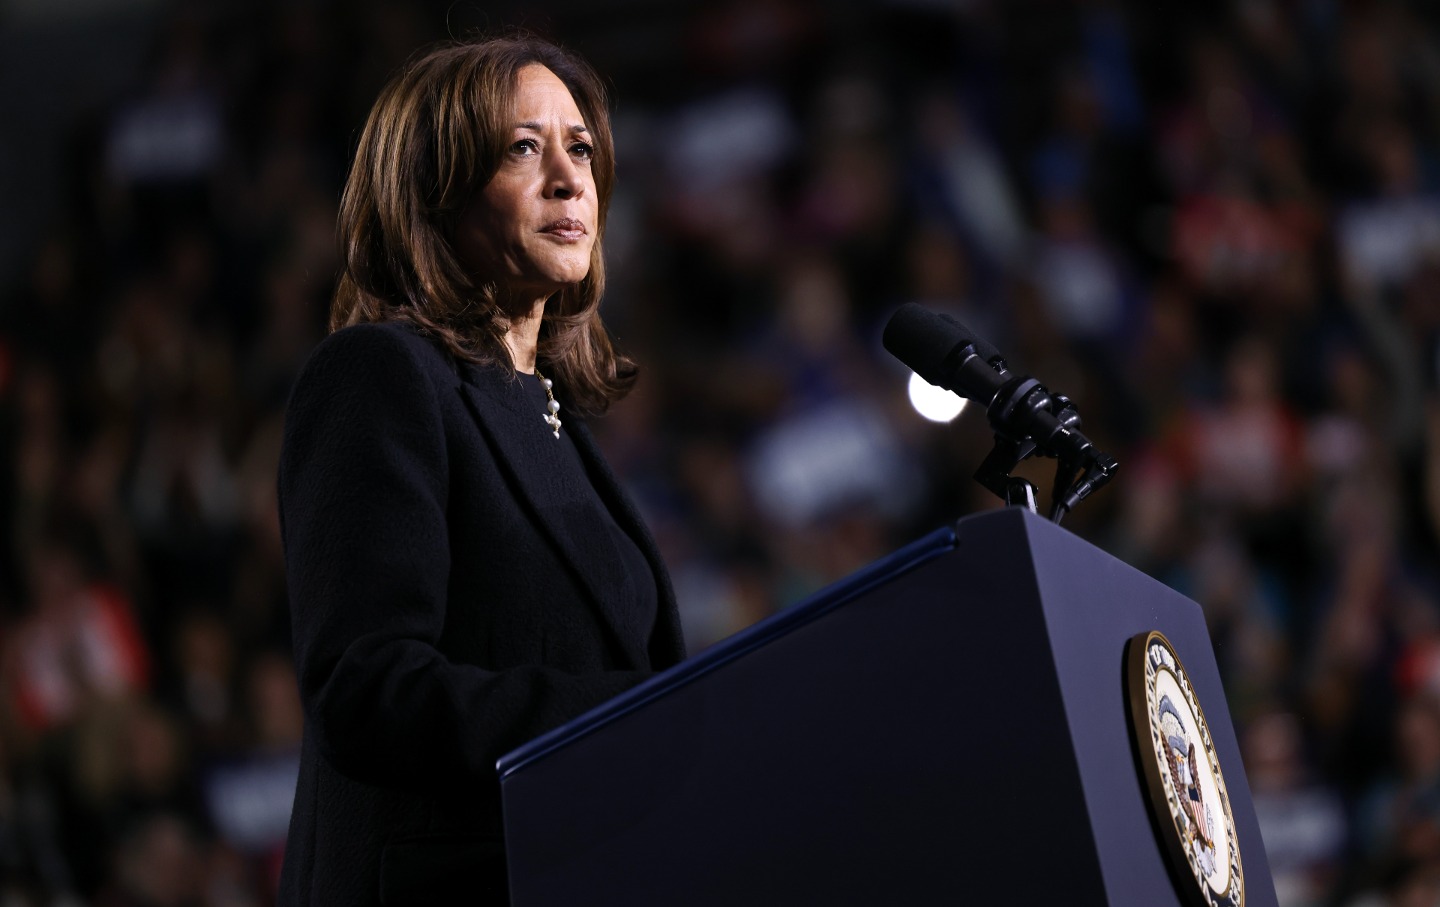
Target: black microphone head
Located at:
point(923, 339)
point(983, 349)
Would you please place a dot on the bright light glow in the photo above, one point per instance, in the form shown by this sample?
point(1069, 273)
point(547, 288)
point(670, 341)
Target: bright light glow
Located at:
point(934, 403)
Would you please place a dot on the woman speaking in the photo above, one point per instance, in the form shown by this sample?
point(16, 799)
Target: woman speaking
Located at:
point(464, 570)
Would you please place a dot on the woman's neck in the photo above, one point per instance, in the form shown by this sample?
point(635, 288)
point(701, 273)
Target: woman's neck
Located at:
point(522, 338)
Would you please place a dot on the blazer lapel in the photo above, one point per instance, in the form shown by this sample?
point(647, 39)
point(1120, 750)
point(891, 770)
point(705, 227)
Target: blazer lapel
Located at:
point(667, 642)
point(548, 483)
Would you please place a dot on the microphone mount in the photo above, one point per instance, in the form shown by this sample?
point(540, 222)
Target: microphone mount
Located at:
point(1081, 468)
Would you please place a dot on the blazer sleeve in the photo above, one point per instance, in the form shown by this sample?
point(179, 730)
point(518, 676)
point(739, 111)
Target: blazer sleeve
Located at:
point(363, 484)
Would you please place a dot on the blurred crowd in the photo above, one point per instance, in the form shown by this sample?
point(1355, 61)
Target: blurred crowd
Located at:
point(1215, 226)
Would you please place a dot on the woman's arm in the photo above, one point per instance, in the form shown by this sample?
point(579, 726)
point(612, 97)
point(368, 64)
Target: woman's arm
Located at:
point(363, 490)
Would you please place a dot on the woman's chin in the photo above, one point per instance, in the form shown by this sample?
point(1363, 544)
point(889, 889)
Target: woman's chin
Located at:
point(561, 279)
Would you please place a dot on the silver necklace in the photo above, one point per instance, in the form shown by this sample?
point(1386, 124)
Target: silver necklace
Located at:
point(552, 417)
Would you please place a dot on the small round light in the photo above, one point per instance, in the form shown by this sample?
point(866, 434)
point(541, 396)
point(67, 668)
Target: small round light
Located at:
point(934, 403)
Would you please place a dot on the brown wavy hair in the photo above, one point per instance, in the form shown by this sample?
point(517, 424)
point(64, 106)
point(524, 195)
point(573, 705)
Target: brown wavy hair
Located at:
point(433, 140)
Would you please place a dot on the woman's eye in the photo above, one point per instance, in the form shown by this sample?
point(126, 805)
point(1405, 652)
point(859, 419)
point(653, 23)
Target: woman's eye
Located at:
point(583, 151)
point(525, 146)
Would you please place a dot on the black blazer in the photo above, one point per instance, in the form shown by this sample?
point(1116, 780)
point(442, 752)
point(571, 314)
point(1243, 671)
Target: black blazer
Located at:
point(454, 593)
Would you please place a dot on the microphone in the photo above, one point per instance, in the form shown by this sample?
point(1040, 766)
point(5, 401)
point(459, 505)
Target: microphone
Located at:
point(948, 354)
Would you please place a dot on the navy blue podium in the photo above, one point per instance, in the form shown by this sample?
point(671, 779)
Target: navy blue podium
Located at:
point(948, 726)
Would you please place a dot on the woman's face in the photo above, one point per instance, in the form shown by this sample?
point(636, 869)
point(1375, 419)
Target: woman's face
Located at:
point(531, 228)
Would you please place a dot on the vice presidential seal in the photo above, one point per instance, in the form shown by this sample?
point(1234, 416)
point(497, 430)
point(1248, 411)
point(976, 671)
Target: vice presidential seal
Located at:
point(1187, 788)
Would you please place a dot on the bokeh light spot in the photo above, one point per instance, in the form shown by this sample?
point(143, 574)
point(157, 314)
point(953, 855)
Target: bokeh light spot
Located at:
point(934, 403)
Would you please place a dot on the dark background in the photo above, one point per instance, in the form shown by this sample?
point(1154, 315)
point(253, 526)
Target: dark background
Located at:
point(1216, 226)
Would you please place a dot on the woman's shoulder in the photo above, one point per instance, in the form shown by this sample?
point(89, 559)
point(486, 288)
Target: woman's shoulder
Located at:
point(378, 348)
point(366, 364)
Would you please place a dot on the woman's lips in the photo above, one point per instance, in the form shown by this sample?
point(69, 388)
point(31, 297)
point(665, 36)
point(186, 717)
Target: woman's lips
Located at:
point(567, 228)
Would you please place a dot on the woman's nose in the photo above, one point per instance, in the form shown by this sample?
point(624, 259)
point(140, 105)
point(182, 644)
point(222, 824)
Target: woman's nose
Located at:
point(563, 178)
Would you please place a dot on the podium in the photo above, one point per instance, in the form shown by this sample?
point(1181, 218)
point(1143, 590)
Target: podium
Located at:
point(950, 725)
